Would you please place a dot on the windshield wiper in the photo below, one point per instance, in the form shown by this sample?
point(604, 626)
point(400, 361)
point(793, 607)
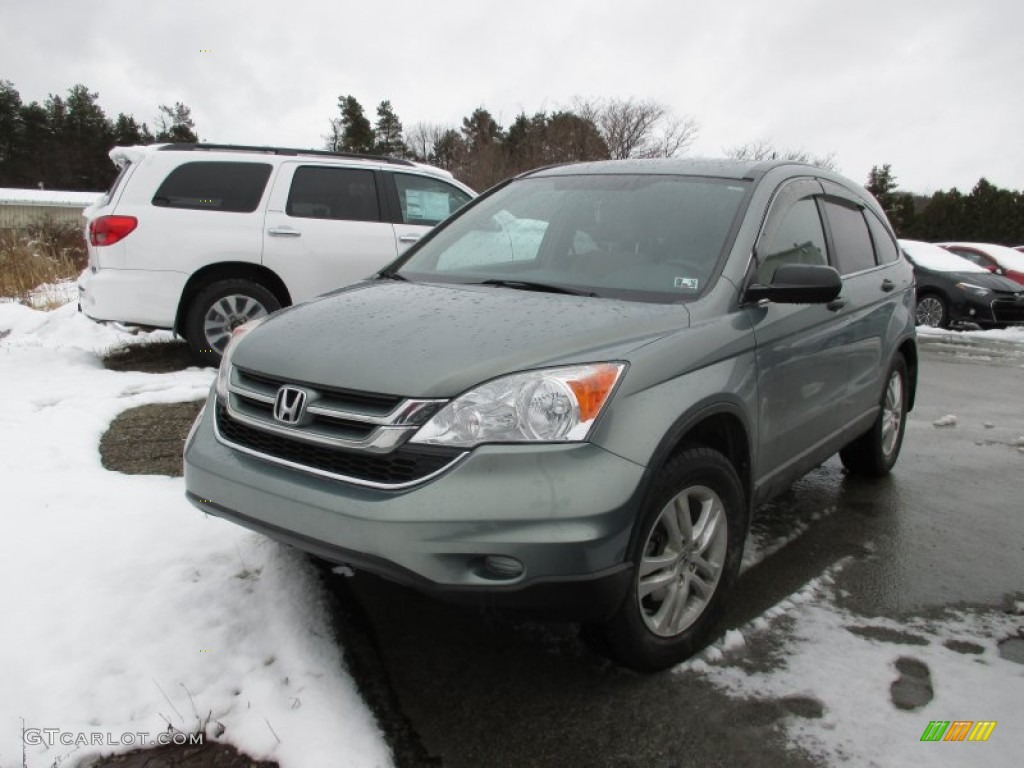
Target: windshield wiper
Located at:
point(529, 285)
point(392, 276)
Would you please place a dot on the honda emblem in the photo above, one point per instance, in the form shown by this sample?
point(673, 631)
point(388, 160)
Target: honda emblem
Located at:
point(289, 405)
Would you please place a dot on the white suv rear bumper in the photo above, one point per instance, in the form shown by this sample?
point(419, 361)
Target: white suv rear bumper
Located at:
point(131, 296)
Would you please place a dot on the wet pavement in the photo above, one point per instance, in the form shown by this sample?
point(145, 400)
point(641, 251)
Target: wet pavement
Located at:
point(456, 687)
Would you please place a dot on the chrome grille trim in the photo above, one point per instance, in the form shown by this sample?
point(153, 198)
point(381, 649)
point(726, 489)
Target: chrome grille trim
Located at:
point(380, 440)
point(408, 412)
point(376, 432)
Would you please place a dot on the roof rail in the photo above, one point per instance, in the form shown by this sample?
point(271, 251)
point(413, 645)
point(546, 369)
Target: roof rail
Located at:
point(285, 151)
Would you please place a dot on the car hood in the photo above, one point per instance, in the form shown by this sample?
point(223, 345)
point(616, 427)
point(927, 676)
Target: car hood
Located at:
point(984, 280)
point(431, 340)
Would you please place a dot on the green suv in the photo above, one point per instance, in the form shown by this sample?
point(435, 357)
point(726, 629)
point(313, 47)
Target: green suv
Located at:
point(569, 396)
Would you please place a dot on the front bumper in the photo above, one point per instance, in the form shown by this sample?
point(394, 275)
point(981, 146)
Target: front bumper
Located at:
point(565, 512)
point(131, 296)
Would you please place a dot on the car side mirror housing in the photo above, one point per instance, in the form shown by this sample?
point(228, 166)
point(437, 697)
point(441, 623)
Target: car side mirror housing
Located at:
point(799, 284)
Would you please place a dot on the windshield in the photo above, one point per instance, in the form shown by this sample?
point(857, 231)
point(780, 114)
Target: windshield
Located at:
point(938, 259)
point(642, 237)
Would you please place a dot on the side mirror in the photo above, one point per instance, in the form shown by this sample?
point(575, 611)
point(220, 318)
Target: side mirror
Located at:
point(799, 284)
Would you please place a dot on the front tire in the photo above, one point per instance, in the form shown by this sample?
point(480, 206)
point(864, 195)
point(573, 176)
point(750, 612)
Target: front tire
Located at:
point(874, 453)
point(220, 308)
point(932, 311)
point(686, 560)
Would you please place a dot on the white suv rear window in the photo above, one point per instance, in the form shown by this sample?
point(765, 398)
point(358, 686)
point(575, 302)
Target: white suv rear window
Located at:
point(213, 186)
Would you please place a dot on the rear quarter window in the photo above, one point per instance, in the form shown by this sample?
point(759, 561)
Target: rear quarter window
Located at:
point(214, 186)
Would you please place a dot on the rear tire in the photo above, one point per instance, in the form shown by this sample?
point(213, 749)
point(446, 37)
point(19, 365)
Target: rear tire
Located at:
point(874, 453)
point(686, 560)
point(218, 309)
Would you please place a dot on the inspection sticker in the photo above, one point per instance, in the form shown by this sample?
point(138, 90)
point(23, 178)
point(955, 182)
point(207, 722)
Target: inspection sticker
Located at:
point(687, 282)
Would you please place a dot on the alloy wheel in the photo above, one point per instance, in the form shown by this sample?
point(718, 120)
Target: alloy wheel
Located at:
point(226, 314)
point(682, 561)
point(892, 413)
point(929, 312)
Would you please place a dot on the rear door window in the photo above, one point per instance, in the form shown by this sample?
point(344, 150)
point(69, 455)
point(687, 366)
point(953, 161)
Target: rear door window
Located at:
point(854, 250)
point(347, 194)
point(214, 186)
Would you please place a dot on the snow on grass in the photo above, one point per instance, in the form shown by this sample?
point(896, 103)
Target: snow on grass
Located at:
point(851, 674)
point(125, 610)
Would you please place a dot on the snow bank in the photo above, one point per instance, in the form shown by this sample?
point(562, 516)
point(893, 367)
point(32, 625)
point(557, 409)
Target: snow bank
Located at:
point(124, 609)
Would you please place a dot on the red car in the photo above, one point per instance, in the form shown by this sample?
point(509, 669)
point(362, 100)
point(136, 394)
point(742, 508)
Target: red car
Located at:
point(995, 258)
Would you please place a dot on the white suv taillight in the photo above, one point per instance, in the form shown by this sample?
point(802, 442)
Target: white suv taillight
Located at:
point(107, 230)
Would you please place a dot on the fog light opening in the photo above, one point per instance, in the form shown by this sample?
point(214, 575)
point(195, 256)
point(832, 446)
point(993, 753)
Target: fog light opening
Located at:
point(503, 566)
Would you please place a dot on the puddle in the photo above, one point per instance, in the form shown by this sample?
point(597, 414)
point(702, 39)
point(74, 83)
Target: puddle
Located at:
point(1012, 649)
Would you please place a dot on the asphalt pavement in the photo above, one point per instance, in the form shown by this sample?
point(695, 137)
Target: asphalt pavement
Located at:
point(455, 687)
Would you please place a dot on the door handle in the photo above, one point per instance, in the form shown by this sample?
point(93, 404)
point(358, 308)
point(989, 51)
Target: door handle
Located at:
point(836, 304)
point(888, 285)
point(408, 238)
point(284, 232)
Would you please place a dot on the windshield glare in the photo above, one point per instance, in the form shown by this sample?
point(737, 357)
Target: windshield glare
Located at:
point(642, 237)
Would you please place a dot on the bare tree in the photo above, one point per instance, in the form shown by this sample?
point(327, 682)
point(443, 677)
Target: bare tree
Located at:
point(638, 128)
point(765, 150)
point(423, 138)
point(332, 139)
point(675, 138)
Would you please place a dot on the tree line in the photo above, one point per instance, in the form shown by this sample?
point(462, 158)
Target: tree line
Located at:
point(986, 214)
point(481, 152)
point(63, 142)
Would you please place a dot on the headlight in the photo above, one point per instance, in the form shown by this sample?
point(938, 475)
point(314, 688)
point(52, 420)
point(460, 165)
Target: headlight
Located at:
point(224, 372)
point(971, 288)
point(547, 405)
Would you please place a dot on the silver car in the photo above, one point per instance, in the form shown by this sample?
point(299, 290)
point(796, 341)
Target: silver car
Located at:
point(570, 396)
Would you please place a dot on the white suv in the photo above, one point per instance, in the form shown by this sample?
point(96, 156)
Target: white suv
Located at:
point(200, 238)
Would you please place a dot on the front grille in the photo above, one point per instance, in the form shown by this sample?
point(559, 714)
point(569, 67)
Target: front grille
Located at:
point(1008, 311)
point(370, 402)
point(403, 466)
point(332, 417)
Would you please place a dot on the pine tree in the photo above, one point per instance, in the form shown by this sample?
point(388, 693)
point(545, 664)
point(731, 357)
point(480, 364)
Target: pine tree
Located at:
point(881, 181)
point(87, 136)
point(480, 129)
point(898, 206)
point(127, 132)
point(175, 124)
point(448, 150)
point(12, 131)
point(388, 132)
point(356, 132)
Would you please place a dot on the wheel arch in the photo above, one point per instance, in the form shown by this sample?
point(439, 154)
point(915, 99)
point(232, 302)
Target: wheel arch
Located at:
point(721, 426)
point(228, 270)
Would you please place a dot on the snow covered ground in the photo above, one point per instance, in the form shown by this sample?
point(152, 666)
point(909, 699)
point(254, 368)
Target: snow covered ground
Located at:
point(848, 664)
point(124, 610)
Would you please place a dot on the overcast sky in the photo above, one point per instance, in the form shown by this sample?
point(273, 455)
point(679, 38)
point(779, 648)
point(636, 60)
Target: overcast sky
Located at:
point(933, 87)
